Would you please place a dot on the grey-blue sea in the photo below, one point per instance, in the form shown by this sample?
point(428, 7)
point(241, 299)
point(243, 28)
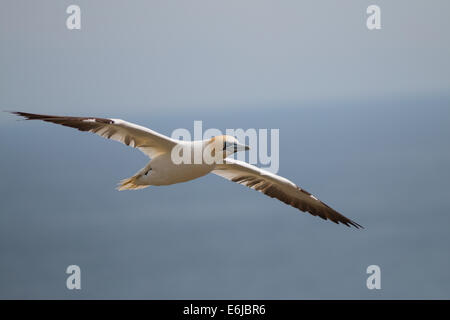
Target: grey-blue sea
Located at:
point(386, 166)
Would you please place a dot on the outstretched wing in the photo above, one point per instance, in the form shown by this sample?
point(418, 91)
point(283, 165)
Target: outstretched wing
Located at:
point(148, 141)
point(278, 187)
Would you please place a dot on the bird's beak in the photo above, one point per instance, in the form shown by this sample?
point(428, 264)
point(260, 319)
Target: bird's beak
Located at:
point(242, 147)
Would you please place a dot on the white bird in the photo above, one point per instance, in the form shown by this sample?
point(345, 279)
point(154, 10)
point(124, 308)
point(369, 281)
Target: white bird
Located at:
point(161, 170)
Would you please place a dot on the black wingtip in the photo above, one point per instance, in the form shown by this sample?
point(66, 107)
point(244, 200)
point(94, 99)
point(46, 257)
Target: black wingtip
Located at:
point(20, 114)
point(29, 116)
point(17, 113)
point(354, 224)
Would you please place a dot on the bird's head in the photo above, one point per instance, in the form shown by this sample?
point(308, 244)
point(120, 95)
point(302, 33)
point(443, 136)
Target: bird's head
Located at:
point(227, 145)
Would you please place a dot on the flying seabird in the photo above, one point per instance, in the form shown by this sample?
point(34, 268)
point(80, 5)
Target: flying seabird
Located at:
point(161, 170)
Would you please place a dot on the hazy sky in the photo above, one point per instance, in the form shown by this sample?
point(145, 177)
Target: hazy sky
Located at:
point(161, 56)
point(364, 120)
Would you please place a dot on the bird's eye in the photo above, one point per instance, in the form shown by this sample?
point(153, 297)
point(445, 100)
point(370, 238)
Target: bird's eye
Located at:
point(227, 145)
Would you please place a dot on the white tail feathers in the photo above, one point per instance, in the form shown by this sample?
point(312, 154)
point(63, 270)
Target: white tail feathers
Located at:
point(135, 183)
point(131, 184)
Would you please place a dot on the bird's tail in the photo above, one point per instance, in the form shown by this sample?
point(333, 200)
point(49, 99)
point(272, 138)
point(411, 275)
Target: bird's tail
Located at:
point(135, 182)
point(131, 184)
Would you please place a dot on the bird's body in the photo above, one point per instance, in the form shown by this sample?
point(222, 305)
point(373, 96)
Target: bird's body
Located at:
point(174, 161)
point(165, 172)
point(162, 170)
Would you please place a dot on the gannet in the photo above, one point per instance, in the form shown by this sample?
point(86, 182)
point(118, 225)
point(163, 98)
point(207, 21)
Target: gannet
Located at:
point(161, 170)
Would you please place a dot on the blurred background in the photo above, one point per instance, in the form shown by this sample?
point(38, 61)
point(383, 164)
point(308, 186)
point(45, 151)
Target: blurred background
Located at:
point(364, 119)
